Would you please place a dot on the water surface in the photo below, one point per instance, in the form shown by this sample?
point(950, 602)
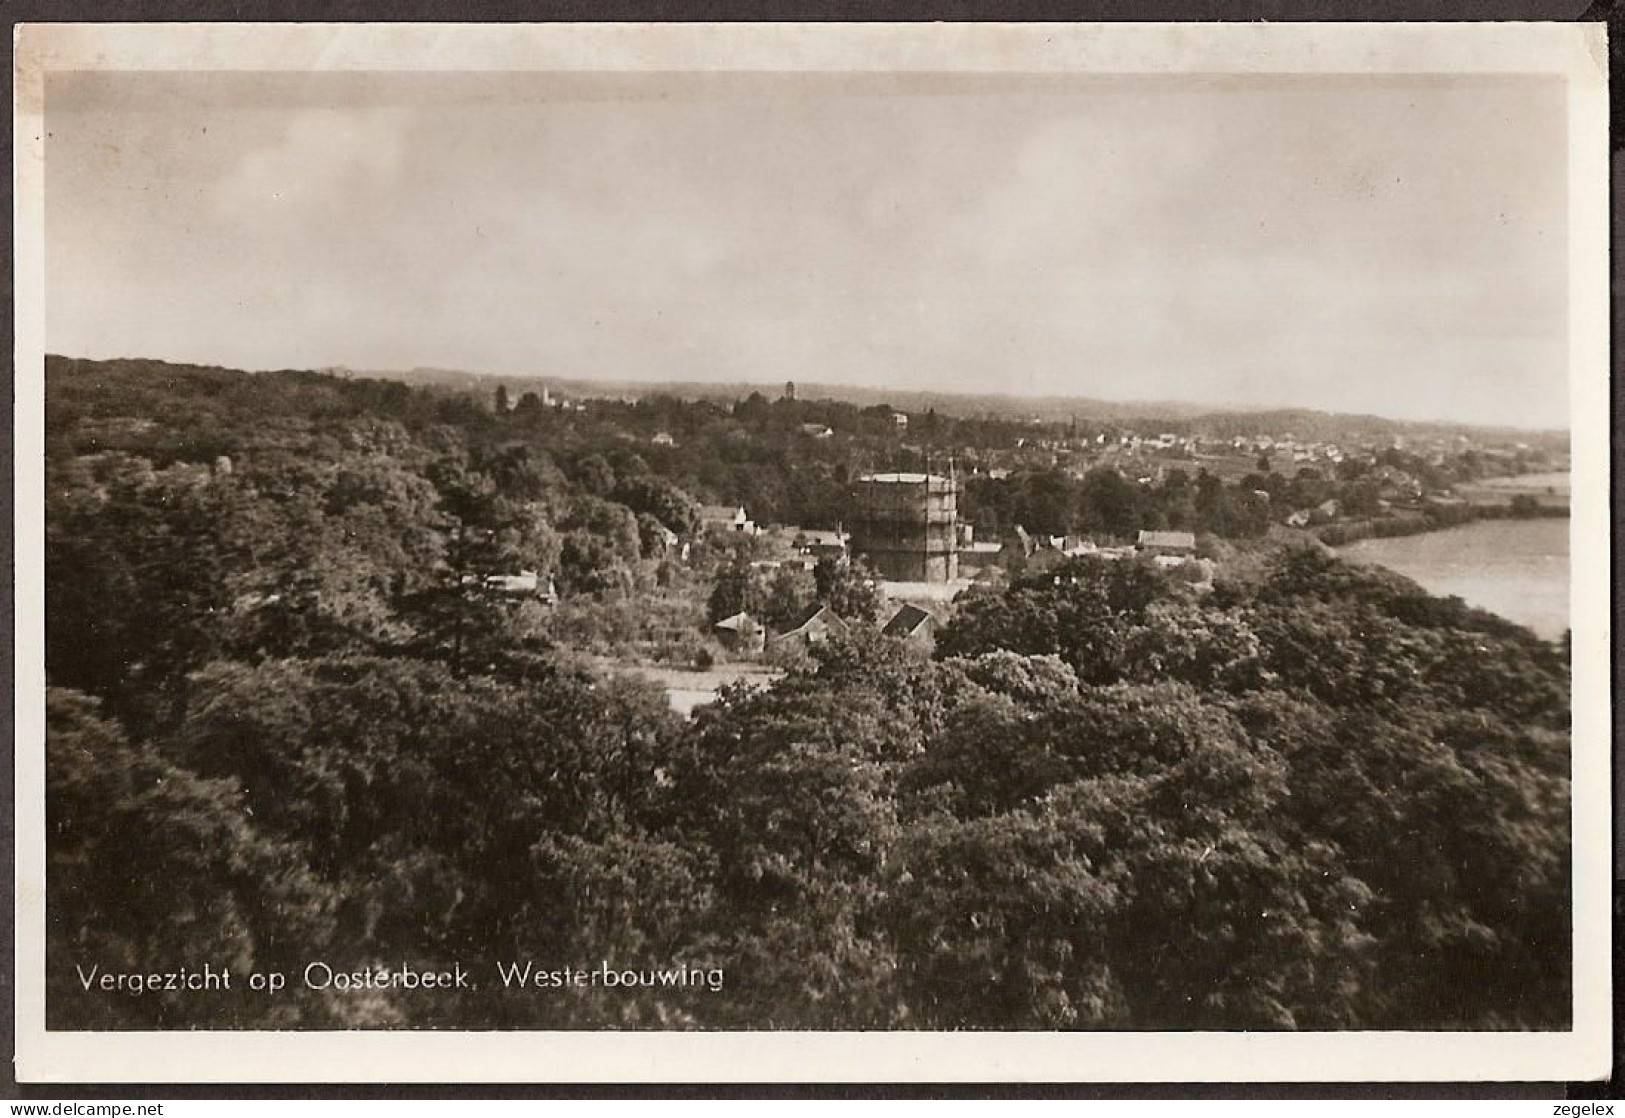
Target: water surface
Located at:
point(1516, 568)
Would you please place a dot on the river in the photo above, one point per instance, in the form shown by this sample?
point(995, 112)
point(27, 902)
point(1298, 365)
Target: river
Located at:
point(1516, 568)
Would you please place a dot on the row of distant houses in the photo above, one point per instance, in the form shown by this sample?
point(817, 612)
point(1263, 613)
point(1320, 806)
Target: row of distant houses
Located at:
point(820, 542)
point(743, 634)
point(1167, 549)
point(810, 430)
point(1022, 544)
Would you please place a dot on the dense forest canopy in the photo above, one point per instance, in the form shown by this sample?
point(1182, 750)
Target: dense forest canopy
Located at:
point(289, 719)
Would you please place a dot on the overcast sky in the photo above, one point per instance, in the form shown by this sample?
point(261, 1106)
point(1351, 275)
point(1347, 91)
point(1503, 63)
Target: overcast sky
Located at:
point(1387, 245)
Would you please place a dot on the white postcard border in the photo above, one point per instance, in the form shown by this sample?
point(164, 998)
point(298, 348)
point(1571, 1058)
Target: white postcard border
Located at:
point(1578, 52)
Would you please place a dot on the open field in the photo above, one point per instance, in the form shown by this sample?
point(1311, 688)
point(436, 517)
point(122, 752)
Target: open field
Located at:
point(687, 688)
point(1549, 489)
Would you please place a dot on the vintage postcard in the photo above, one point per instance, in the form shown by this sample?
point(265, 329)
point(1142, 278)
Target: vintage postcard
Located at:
point(651, 553)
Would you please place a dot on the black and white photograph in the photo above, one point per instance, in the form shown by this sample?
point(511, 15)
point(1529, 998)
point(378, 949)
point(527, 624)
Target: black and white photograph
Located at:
point(1018, 539)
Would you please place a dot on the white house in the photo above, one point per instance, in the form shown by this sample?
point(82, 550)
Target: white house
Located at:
point(727, 518)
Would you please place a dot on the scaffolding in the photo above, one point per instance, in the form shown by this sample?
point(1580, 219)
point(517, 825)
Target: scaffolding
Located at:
point(906, 525)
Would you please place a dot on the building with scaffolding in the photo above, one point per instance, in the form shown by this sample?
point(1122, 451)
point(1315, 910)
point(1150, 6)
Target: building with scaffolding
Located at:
point(906, 525)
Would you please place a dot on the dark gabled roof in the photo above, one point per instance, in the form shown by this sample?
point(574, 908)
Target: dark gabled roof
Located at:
point(832, 619)
point(906, 621)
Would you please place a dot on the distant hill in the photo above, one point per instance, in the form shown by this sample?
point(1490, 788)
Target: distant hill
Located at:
point(1152, 417)
point(1172, 416)
point(1049, 409)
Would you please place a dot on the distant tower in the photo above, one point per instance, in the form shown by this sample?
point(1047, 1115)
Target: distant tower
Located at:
point(789, 390)
point(906, 525)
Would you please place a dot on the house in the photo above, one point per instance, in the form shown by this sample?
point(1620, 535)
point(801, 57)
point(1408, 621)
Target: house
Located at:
point(912, 624)
point(663, 439)
point(989, 578)
point(1043, 559)
point(899, 420)
point(525, 582)
point(816, 628)
point(1396, 485)
point(817, 430)
point(1166, 543)
point(789, 562)
point(670, 543)
point(979, 556)
point(822, 543)
point(1019, 544)
point(727, 518)
point(740, 633)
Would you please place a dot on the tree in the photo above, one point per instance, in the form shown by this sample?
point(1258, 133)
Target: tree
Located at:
point(611, 522)
point(138, 576)
point(595, 475)
point(847, 587)
point(790, 790)
point(659, 498)
point(787, 598)
point(737, 590)
point(1108, 502)
point(1047, 502)
point(154, 868)
point(464, 616)
point(521, 474)
point(1360, 498)
point(1212, 649)
point(1080, 611)
point(999, 922)
point(307, 721)
point(436, 806)
point(590, 564)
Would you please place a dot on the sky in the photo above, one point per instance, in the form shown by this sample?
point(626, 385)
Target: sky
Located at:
point(1392, 245)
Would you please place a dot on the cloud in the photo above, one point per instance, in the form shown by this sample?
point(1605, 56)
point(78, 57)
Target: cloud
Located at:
point(1295, 241)
point(323, 159)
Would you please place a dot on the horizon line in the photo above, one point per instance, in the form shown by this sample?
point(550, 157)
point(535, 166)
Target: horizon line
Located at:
point(1202, 410)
